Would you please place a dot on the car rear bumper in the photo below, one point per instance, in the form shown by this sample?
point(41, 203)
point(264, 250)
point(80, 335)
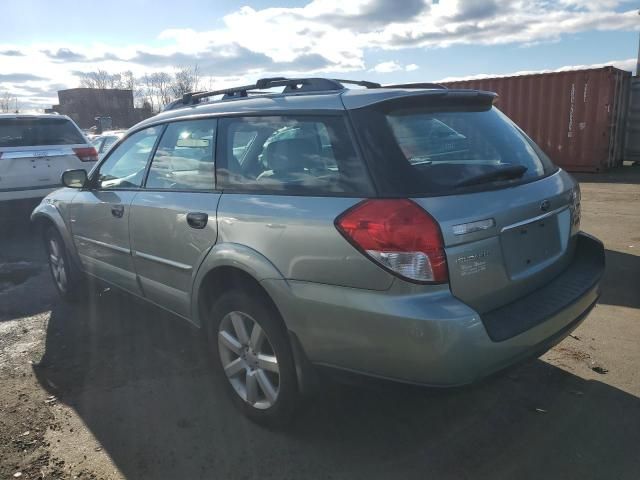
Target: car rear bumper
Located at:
point(434, 338)
point(25, 193)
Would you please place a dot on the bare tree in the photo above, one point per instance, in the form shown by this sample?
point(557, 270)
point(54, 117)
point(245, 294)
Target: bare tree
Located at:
point(149, 93)
point(162, 81)
point(8, 103)
point(186, 79)
point(153, 90)
point(98, 79)
point(157, 89)
point(127, 80)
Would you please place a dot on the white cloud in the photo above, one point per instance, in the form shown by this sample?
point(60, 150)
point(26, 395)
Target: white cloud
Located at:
point(628, 64)
point(387, 67)
point(393, 66)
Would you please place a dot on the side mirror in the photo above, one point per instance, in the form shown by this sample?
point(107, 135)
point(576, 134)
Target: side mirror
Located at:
point(74, 178)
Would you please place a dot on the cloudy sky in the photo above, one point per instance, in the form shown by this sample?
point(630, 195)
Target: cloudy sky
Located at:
point(45, 44)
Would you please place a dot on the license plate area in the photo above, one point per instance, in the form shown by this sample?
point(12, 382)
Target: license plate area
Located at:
point(527, 246)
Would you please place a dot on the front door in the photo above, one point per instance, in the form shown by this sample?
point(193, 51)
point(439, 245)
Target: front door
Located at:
point(173, 217)
point(100, 214)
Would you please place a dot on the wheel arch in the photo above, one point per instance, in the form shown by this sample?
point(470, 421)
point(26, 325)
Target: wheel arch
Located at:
point(230, 265)
point(46, 215)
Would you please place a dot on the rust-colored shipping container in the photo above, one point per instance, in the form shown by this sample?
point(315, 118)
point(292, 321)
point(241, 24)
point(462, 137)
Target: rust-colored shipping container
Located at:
point(577, 117)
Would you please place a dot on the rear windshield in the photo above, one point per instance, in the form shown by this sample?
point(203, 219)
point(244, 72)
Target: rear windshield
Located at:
point(28, 132)
point(424, 152)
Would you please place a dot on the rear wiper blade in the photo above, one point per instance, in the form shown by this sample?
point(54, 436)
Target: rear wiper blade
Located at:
point(508, 172)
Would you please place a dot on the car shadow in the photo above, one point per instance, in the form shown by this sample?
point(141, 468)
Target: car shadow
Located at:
point(138, 379)
point(23, 270)
point(629, 174)
point(621, 285)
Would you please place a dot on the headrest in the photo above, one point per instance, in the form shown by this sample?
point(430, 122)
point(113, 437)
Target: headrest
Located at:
point(290, 155)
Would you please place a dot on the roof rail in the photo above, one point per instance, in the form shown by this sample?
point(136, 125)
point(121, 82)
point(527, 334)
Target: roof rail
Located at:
point(291, 85)
point(362, 83)
point(416, 85)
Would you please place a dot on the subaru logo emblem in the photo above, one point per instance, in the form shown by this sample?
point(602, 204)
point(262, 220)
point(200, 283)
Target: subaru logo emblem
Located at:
point(545, 205)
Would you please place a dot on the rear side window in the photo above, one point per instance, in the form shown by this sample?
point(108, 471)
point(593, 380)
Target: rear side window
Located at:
point(290, 155)
point(422, 151)
point(33, 132)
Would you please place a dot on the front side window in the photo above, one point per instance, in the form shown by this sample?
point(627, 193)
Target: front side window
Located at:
point(289, 155)
point(125, 167)
point(184, 158)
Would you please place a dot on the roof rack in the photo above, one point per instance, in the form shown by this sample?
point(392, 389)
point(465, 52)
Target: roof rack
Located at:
point(291, 85)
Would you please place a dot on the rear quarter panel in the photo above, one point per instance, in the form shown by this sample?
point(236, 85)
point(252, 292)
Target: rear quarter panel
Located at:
point(297, 235)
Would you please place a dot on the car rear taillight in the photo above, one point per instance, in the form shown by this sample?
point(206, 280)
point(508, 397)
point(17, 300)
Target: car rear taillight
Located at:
point(86, 154)
point(398, 235)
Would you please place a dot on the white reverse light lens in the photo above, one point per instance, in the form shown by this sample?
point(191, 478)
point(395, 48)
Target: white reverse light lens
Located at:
point(413, 265)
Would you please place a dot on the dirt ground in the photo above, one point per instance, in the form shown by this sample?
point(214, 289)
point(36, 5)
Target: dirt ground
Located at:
point(119, 389)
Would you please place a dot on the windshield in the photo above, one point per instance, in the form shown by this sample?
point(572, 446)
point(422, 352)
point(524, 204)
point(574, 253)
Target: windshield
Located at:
point(440, 152)
point(28, 132)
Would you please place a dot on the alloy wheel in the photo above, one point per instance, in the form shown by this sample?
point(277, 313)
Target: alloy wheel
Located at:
point(57, 265)
point(249, 360)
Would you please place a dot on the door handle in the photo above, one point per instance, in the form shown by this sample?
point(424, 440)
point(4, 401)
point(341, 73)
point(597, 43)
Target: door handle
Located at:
point(117, 211)
point(197, 219)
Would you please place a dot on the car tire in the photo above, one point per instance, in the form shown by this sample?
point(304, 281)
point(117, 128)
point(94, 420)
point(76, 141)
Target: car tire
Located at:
point(67, 279)
point(256, 367)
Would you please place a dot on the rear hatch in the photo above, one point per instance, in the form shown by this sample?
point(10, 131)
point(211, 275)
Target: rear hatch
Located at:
point(504, 244)
point(508, 216)
point(34, 151)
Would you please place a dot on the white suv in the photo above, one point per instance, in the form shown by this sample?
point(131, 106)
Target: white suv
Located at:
point(34, 151)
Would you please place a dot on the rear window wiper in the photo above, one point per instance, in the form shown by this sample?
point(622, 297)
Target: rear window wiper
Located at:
point(507, 172)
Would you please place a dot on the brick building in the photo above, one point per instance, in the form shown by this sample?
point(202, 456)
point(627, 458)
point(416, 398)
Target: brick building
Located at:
point(83, 105)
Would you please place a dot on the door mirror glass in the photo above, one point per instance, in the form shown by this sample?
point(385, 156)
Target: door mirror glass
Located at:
point(74, 178)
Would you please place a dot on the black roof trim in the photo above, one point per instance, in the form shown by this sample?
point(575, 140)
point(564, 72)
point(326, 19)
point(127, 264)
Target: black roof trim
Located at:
point(291, 85)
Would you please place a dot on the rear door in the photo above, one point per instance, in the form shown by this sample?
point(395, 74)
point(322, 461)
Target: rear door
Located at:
point(100, 215)
point(286, 178)
point(173, 218)
point(507, 215)
point(34, 151)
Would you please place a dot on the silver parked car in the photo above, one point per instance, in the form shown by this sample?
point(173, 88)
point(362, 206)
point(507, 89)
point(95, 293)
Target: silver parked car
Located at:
point(411, 233)
point(34, 151)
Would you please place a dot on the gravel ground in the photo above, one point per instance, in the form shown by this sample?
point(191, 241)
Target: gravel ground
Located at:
point(119, 389)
